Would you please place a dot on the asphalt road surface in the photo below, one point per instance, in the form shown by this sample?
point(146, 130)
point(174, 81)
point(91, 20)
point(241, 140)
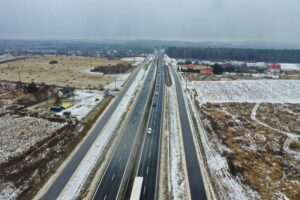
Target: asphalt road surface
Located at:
point(63, 178)
point(149, 160)
point(197, 188)
point(115, 176)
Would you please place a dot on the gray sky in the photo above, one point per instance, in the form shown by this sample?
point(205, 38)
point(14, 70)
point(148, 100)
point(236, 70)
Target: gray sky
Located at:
point(188, 20)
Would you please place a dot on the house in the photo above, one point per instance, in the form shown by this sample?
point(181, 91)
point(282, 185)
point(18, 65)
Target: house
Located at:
point(274, 68)
point(206, 70)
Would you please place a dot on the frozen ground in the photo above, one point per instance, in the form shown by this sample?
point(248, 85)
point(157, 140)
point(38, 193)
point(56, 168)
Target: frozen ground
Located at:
point(290, 66)
point(18, 134)
point(273, 91)
point(80, 176)
point(85, 102)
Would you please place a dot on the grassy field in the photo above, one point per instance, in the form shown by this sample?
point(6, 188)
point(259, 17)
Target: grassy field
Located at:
point(70, 70)
point(262, 156)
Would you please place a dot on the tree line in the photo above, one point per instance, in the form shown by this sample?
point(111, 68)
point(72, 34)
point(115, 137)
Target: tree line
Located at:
point(250, 55)
point(114, 69)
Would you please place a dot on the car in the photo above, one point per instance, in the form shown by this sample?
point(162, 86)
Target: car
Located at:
point(156, 93)
point(154, 104)
point(149, 131)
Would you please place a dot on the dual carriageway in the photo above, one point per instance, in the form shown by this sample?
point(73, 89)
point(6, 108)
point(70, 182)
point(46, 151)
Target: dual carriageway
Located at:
point(137, 153)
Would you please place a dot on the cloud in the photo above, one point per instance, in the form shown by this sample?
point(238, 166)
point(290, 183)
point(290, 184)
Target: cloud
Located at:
point(215, 20)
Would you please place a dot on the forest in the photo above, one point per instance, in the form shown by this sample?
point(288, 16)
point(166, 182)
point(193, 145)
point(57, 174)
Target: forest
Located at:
point(250, 55)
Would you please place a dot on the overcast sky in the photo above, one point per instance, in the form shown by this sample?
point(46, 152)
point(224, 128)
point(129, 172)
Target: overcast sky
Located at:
point(188, 20)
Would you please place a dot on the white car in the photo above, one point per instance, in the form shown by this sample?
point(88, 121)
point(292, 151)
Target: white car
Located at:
point(149, 131)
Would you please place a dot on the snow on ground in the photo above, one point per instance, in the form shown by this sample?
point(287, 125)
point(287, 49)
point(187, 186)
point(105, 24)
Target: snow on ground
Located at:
point(18, 134)
point(227, 186)
point(85, 102)
point(136, 60)
point(118, 82)
point(72, 189)
point(290, 136)
point(177, 184)
point(290, 66)
point(4, 57)
point(4, 104)
point(252, 91)
point(256, 64)
point(8, 191)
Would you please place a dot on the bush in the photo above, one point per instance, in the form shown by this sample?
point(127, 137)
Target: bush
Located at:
point(52, 62)
point(217, 69)
point(31, 88)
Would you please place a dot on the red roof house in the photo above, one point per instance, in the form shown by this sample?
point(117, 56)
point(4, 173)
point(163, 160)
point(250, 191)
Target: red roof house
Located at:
point(274, 68)
point(206, 70)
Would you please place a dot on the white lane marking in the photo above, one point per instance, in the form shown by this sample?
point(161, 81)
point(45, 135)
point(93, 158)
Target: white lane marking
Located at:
point(113, 176)
point(119, 159)
point(125, 146)
point(149, 154)
point(104, 197)
point(144, 190)
point(151, 141)
point(147, 169)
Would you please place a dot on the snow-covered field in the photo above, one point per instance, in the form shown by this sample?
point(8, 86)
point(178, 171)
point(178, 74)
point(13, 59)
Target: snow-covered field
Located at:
point(18, 134)
point(85, 102)
point(290, 66)
point(273, 91)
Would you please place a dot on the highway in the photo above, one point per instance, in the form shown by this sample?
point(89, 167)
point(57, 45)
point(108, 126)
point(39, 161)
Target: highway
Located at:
point(116, 176)
point(196, 185)
point(149, 161)
point(62, 179)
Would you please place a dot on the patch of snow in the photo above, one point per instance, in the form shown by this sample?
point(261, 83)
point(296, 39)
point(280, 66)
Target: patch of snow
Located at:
point(8, 191)
point(256, 64)
point(290, 66)
point(290, 136)
point(228, 187)
point(176, 180)
point(136, 60)
point(18, 134)
point(252, 91)
point(85, 102)
point(118, 82)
